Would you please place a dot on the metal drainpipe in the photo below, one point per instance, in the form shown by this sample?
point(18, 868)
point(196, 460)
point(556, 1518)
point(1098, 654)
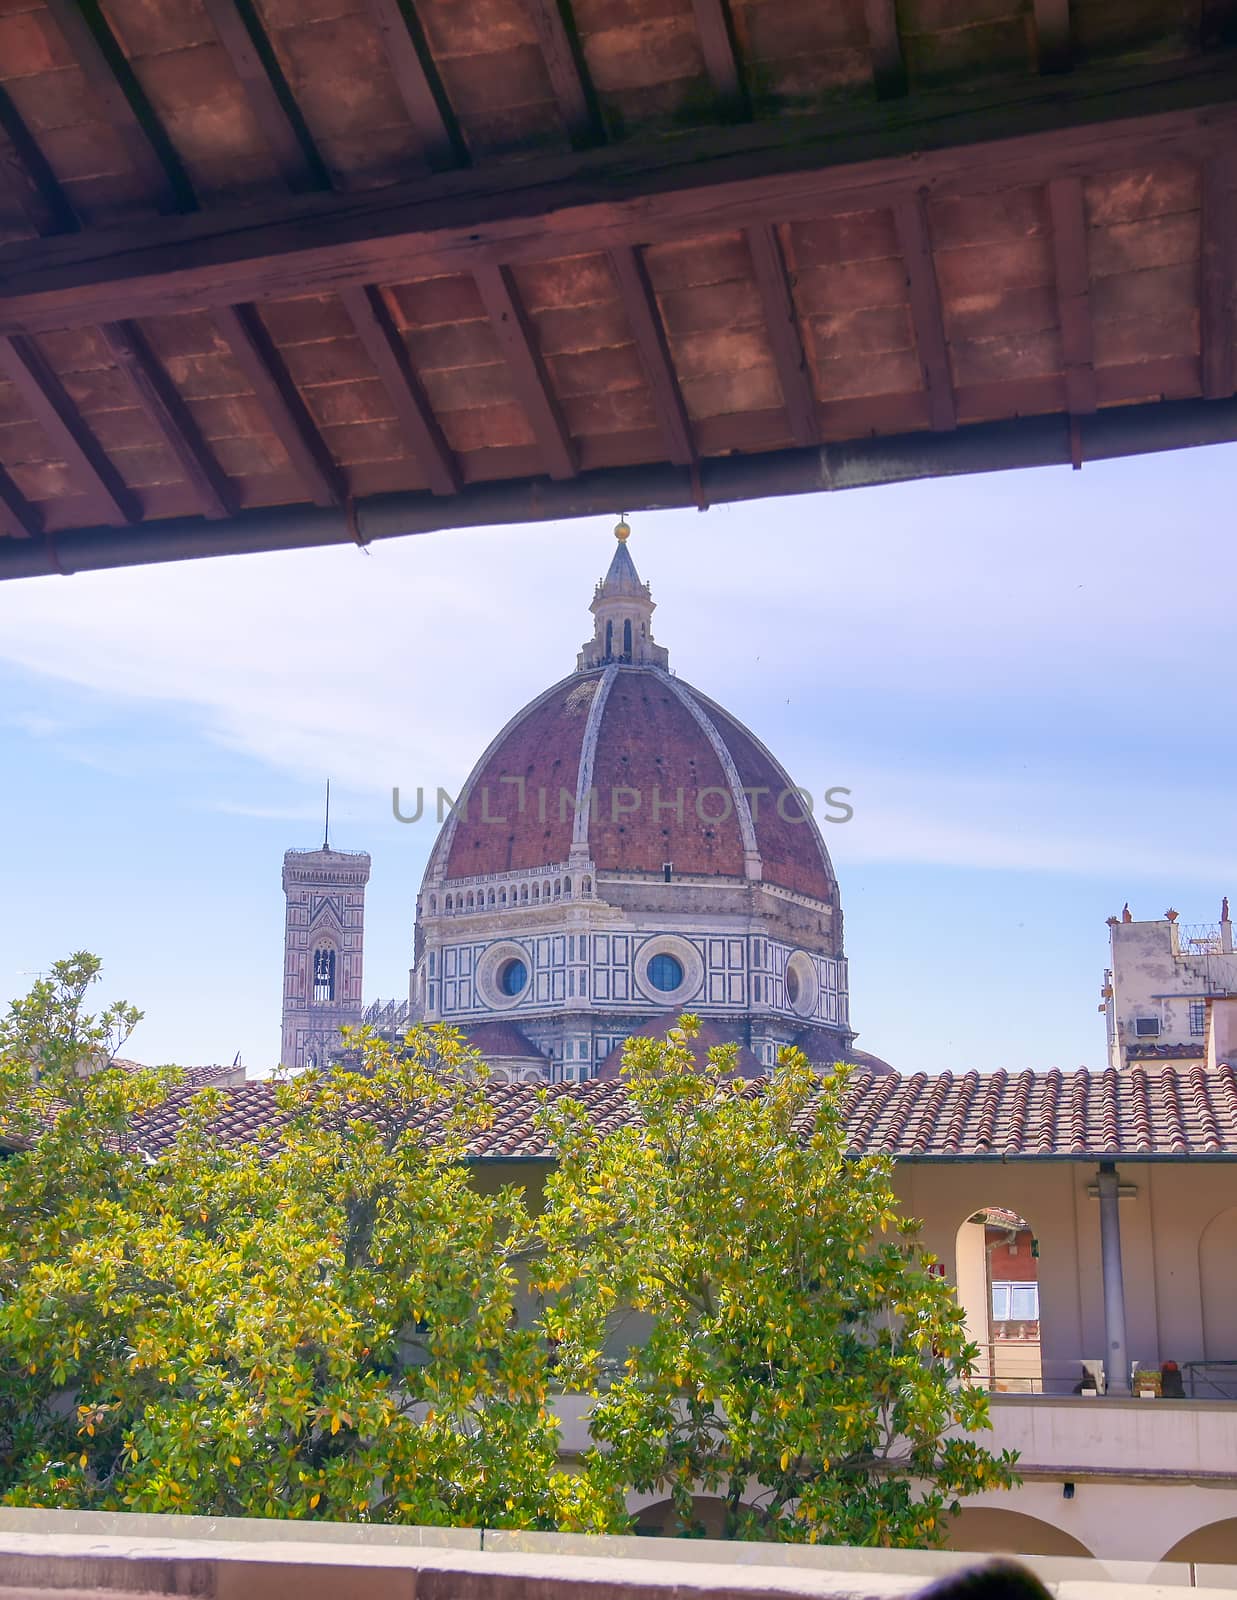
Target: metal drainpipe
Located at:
point(1116, 1361)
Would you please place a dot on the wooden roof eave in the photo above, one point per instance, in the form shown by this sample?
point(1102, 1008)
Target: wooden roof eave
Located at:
point(611, 198)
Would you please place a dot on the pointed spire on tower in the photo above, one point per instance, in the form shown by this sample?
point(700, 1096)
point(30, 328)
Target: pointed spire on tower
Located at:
point(623, 611)
point(326, 825)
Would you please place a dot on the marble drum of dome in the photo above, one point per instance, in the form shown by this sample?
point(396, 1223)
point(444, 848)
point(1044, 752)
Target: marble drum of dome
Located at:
point(626, 850)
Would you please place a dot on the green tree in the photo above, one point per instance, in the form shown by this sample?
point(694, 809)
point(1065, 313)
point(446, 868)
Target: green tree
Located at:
point(802, 1363)
point(319, 1321)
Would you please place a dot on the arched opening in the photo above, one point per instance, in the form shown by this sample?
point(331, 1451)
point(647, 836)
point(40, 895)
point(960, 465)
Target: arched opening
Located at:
point(324, 975)
point(627, 640)
point(558, 888)
point(502, 897)
point(586, 886)
point(471, 902)
point(1216, 1542)
point(536, 891)
point(1217, 1281)
point(609, 639)
point(449, 904)
point(661, 1520)
point(995, 1531)
point(490, 897)
point(524, 894)
point(567, 888)
point(433, 902)
point(998, 1288)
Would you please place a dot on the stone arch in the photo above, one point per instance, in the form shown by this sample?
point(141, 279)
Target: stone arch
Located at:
point(1217, 1282)
point(586, 886)
point(997, 1280)
point(448, 904)
point(502, 897)
point(996, 1531)
point(433, 902)
point(1215, 1541)
point(524, 894)
point(471, 901)
point(567, 888)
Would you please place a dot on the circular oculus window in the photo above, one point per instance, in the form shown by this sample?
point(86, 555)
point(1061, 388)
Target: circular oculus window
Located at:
point(802, 988)
point(668, 970)
point(503, 975)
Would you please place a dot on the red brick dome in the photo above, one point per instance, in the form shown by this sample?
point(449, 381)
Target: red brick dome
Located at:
point(592, 770)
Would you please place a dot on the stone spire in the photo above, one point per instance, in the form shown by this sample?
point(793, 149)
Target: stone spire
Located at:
point(623, 615)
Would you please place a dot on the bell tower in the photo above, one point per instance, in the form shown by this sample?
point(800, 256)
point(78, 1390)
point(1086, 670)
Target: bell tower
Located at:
point(324, 945)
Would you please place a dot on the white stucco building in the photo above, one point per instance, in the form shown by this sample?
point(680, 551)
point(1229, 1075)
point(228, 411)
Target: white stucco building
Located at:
point(1169, 989)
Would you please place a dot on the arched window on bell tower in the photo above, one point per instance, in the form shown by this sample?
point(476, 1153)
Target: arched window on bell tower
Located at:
point(627, 640)
point(609, 640)
point(324, 975)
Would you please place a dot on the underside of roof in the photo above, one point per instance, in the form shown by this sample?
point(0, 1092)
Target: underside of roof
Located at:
point(291, 272)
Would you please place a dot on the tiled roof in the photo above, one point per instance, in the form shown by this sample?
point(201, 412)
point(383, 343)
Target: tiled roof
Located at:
point(711, 1034)
point(499, 1041)
point(1168, 1111)
point(195, 1077)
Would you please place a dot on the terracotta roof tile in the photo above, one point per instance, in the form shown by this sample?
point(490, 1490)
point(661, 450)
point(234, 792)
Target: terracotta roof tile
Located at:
point(1169, 1112)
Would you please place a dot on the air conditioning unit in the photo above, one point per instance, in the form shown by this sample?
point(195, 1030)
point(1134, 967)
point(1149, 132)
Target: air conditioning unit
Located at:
point(1147, 1027)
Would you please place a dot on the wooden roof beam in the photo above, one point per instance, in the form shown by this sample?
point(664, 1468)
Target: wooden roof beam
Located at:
point(425, 100)
point(564, 62)
point(653, 349)
point(64, 426)
point(782, 325)
point(171, 416)
point(1053, 48)
point(1219, 270)
point(1073, 279)
point(270, 99)
point(18, 518)
point(911, 221)
point(885, 48)
point(26, 173)
point(263, 366)
point(109, 74)
point(721, 56)
point(670, 190)
point(528, 374)
point(386, 349)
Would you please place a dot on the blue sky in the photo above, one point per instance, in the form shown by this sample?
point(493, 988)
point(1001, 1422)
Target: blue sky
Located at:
point(1026, 680)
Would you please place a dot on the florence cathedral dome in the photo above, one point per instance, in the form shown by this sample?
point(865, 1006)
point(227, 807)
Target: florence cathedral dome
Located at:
point(626, 850)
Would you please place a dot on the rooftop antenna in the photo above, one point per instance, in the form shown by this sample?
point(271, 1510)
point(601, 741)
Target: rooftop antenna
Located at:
point(326, 826)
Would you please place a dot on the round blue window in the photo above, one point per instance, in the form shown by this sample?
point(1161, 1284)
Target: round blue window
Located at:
point(512, 977)
point(665, 973)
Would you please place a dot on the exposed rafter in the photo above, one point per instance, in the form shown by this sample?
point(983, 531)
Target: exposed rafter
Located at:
point(782, 324)
point(25, 172)
point(270, 99)
point(18, 518)
point(1052, 35)
point(422, 92)
point(1073, 279)
point(107, 70)
point(619, 195)
point(885, 48)
point(1218, 322)
point(64, 426)
point(644, 320)
point(528, 374)
point(911, 221)
point(377, 332)
point(564, 62)
point(169, 413)
point(721, 58)
point(263, 366)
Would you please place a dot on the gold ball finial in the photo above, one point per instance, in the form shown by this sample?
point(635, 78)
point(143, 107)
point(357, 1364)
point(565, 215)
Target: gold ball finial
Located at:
point(621, 531)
